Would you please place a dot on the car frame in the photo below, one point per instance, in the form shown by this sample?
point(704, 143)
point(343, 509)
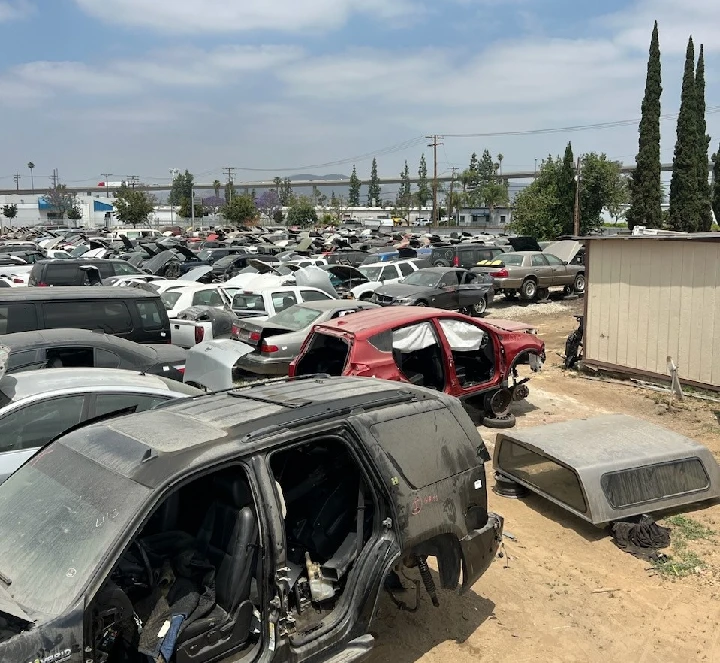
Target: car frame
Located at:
point(235, 462)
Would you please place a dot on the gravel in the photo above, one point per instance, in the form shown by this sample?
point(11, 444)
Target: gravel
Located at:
point(503, 310)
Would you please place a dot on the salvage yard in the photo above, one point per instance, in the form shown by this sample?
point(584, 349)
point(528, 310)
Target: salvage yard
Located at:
point(562, 590)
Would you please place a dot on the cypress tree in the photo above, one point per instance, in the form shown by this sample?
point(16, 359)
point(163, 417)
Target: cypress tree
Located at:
point(374, 191)
point(354, 189)
point(646, 185)
point(684, 182)
point(716, 186)
point(566, 191)
point(704, 194)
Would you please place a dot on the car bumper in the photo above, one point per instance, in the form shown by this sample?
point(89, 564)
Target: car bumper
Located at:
point(263, 365)
point(507, 284)
point(479, 548)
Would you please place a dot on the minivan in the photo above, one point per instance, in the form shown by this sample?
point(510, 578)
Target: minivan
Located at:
point(131, 313)
point(69, 271)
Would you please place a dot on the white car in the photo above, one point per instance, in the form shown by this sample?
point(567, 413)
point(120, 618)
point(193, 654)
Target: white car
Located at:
point(177, 298)
point(307, 262)
point(262, 304)
point(382, 273)
point(15, 275)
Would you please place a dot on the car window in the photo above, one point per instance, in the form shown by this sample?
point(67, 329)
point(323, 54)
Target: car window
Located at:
point(106, 359)
point(553, 260)
point(122, 268)
point(63, 274)
point(314, 296)
point(22, 359)
point(389, 272)
point(449, 279)
point(371, 273)
point(149, 312)
point(538, 260)
point(295, 318)
point(106, 269)
point(248, 301)
point(108, 403)
point(37, 423)
point(470, 277)
point(169, 298)
point(423, 278)
point(18, 318)
point(112, 316)
point(207, 298)
point(283, 300)
point(512, 259)
point(406, 269)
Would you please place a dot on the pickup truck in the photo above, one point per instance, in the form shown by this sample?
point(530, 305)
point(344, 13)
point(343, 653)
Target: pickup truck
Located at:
point(200, 323)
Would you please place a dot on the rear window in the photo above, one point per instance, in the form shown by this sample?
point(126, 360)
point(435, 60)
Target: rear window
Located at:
point(64, 274)
point(512, 259)
point(150, 314)
point(111, 316)
point(169, 299)
point(427, 447)
point(283, 300)
point(18, 318)
point(654, 482)
point(295, 317)
point(248, 302)
point(546, 475)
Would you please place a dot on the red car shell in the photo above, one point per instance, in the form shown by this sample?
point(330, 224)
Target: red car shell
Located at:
point(366, 360)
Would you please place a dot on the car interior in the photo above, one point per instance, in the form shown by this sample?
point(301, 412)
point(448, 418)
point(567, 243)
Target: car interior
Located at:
point(189, 583)
point(329, 513)
point(473, 351)
point(418, 355)
point(326, 354)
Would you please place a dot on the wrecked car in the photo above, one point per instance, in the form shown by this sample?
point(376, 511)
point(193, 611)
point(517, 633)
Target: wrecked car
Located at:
point(445, 351)
point(265, 532)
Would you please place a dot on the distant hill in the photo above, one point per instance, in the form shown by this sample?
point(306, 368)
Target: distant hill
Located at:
point(313, 178)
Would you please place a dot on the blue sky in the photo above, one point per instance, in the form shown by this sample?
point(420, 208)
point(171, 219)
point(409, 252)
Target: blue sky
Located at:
point(140, 86)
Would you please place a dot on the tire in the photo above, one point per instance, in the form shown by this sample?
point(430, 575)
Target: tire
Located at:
point(440, 263)
point(579, 283)
point(529, 290)
point(508, 421)
point(568, 290)
point(572, 348)
point(543, 294)
point(476, 310)
point(365, 297)
point(510, 295)
point(420, 303)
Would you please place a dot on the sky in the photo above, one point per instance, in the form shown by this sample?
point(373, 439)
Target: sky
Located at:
point(137, 87)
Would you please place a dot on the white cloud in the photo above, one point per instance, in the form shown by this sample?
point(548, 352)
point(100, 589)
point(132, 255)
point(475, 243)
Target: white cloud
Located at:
point(13, 10)
point(226, 16)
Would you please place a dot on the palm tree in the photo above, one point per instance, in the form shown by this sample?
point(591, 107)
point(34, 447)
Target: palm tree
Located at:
point(500, 160)
point(217, 185)
point(31, 165)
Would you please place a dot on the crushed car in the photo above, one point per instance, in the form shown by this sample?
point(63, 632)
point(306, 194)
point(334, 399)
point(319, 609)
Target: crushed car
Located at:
point(441, 350)
point(265, 532)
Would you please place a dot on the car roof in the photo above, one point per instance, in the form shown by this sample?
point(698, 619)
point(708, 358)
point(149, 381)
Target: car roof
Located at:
point(384, 263)
point(31, 383)
point(146, 448)
point(441, 270)
point(524, 253)
point(364, 324)
point(51, 337)
point(332, 304)
point(76, 292)
point(81, 261)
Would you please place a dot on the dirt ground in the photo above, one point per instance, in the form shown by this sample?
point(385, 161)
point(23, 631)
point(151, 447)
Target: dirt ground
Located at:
point(542, 600)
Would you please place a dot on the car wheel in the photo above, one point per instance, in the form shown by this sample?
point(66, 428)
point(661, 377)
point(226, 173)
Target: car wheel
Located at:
point(579, 284)
point(440, 263)
point(543, 294)
point(366, 297)
point(505, 421)
point(529, 290)
point(568, 290)
point(421, 303)
point(479, 308)
point(510, 294)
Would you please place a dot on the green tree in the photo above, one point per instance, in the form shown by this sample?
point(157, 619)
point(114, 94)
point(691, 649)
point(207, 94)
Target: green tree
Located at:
point(278, 216)
point(716, 186)
point(374, 192)
point(536, 205)
point(185, 211)
point(181, 188)
point(60, 200)
point(601, 187)
point(302, 213)
point(491, 190)
point(704, 202)
point(75, 212)
point(285, 192)
point(684, 181)
point(422, 195)
point(354, 189)
point(240, 210)
point(566, 185)
point(230, 191)
point(10, 211)
point(404, 197)
point(133, 206)
point(646, 193)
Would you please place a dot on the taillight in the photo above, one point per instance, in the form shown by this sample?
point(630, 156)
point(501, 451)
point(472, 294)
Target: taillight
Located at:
point(17, 280)
point(255, 336)
point(456, 261)
point(181, 369)
point(268, 349)
point(235, 331)
point(500, 274)
point(42, 285)
point(199, 334)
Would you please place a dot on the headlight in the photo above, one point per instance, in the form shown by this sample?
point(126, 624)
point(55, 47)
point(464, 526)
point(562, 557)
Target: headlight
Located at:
point(405, 301)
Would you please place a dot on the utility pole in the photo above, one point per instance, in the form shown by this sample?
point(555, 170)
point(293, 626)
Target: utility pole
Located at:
point(133, 180)
point(450, 197)
point(229, 172)
point(106, 178)
point(434, 145)
point(55, 178)
point(576, 211)
point(192, 207)
point(16, 177)
point(173, 175)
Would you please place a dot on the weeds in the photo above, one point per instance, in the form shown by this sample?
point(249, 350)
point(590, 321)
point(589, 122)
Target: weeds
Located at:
point(683, 562)
point(689, 529)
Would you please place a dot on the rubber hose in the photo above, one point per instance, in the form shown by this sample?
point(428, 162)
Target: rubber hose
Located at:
point(427, 580)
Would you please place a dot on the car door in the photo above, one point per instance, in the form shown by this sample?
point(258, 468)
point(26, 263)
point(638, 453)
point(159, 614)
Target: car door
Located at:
point(448, 295)
point(560, 272)
point(29, 426)
point(542, 270)
point(473, 289)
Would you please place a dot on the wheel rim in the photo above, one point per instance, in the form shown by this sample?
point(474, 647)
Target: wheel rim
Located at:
point(580, 283)
point(480, 307)
point(421, 304)
point(530, 289)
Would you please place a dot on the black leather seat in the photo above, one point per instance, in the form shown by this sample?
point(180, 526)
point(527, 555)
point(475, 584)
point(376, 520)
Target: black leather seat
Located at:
point(228, 538)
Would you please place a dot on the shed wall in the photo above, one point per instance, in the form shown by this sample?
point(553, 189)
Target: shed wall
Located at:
point(651, 299)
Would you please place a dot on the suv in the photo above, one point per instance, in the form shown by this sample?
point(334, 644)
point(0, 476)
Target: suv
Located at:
point(270, 517)
point(466, 256)
point(131, 313)
point(69, 271)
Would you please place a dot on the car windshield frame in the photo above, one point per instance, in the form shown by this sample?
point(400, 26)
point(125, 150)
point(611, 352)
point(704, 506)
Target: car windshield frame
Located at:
point(423, 276)
point(287, 320)
point(61, 513)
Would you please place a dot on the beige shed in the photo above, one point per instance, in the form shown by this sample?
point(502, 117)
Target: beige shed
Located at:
point(650, 298)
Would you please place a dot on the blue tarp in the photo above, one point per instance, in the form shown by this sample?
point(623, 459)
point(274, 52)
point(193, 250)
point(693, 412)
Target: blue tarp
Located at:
point(102, 207)
point(44, 204)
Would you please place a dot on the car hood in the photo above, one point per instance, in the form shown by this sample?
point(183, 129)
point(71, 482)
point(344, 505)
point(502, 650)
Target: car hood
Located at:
point(314, 277)
point(157, 262)
point(397, 290)
point(196, 273)
point(565, 249)
point(524, 243)
point(346, 272)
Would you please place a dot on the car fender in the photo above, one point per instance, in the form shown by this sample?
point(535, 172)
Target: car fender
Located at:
point(359, 290)
point(211, 364)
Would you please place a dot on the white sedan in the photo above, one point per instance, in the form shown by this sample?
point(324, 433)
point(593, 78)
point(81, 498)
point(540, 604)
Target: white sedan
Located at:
point(177, 298)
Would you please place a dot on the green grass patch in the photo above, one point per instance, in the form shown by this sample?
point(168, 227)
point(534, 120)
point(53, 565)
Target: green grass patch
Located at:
point(680, 565)
point(689, 529)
